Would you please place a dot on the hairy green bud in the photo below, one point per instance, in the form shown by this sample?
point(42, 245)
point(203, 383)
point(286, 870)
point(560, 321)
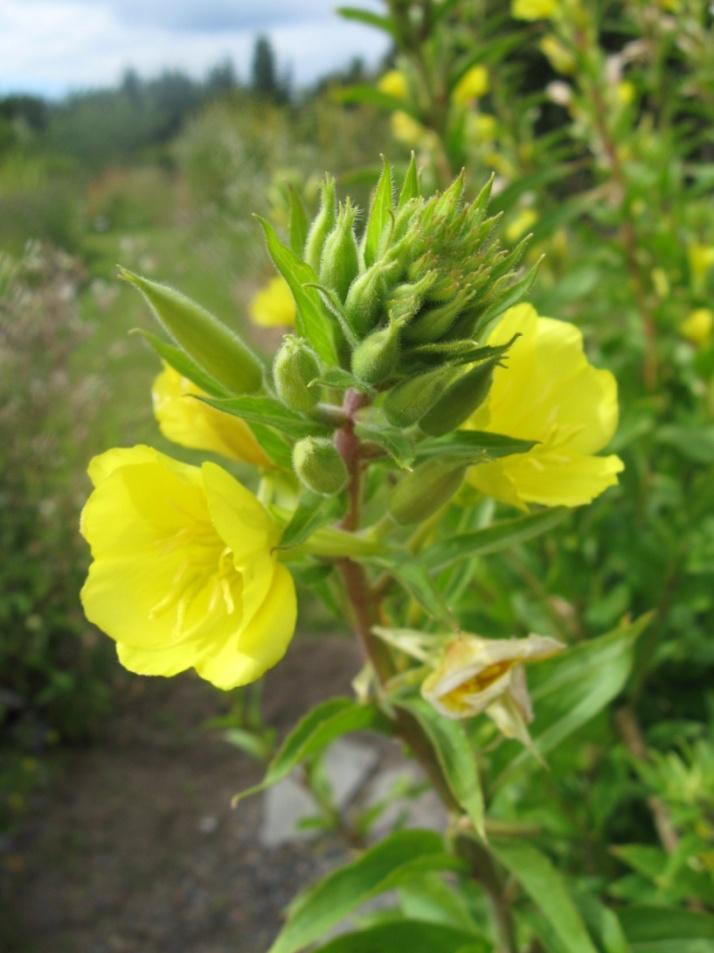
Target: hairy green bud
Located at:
point(319, 466)
point(460, 399)
point(375, 358)
point(322, 225)
point(339, 264)
point(208, 341)
point(407, 402)
point(366, 296)
point(295, 366)
point(424, 490)
point(432, 323)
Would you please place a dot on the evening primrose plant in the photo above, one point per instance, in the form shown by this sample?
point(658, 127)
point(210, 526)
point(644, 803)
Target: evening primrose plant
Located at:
point(415, 389)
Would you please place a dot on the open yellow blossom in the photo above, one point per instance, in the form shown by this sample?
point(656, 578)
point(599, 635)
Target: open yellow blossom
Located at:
point(486, 675)
point(273, 306)
point(698, 326)
point(472, 85)
point(519, 225)
point(394, 83)
point(534, 9)
point(192, 423)
point(550, 393)
point(184, 573)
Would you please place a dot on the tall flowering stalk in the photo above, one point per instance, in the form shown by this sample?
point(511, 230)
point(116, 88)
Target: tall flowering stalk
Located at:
point(411, 377)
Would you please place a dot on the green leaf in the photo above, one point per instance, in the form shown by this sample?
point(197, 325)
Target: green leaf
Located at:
point(412, 575)
point(374, 97)
point(416, 936)
point(386, 24)
point(472, 446)
point(547, 889)
point(319, 728)
point(456, 757)
point(492, 539)
point(429, 898)
point(569, 690)
point(341, 379)
point(662, 930)
point(313, 510)
point(384, 867)
point(380, 213)
point(298, 222)
point(268, 411)
point(274, 444)
point(181, 362)
point(398, 443)
point(312, 321)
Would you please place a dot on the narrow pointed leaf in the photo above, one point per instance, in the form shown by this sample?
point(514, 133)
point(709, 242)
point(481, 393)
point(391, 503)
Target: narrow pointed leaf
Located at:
point(410, 186)
point(379, 214)
point(181, 362)
point(416, 936)
point(298, 222)
point(268, 411)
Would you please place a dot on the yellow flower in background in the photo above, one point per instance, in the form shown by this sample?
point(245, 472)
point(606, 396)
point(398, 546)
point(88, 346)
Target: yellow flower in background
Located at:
point(559, 56)
point(534, 9)
point(183, 573)
point(191, 423)
point(519, 225)
point(406, 129)
point(625, 92)
point(481, 127)
point(472, 85)
point(550, 393)
point(660, 282)
point(701, 262)
point(698, 326)
point(486, 675)
point(394, 83)
point(273, 306)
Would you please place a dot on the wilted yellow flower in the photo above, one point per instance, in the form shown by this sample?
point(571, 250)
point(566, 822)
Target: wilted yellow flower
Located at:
point(472, 85)
point(190, 422)
point(534, 9)
point(273, 306)
point(701, 261)
point(522, 222)
point(486, 675)
point(184, 573)
point(406, 129)
point(550, 393)
point(394, 83)
point(558, 55)
point(698, 326)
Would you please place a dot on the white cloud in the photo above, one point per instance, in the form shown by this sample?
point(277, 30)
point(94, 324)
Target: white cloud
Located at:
point(51, 46)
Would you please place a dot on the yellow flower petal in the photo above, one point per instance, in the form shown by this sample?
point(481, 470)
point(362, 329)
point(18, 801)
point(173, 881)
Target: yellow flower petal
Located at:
point(394, 83)
point(189, 422)
point(273, 306)
point(184, 569)
point(698, 326)
point(548, 392)
point(472, 85)
point(534, 9)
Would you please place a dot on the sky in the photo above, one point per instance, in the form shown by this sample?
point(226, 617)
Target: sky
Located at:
point(50, 47)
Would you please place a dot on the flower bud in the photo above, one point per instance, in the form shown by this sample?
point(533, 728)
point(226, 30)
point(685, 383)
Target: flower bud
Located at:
point(294, 368)
point(322, 225)
point(460, 400)
point(340, 256)
point(407, 402)
point(375, 358)
point(433, 323)
point(421, 492)
point(365, 297)
point(208, 341)
point(319, 466)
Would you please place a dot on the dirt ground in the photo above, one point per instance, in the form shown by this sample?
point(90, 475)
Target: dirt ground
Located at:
point(135, 848)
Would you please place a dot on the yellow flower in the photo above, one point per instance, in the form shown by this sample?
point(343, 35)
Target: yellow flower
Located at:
point(701, 261)
point(481, 127)
point(472, 85)
point(550, 393)
point(183, 573)
point(534, 9)
point(521, 223)
point(406, 129)
point(273, 306)
point(394, 83)
point(660, 281)
point(559, 56)
point(191, 423)
point(625, 92)
point(698, 326)
point(486, 675)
